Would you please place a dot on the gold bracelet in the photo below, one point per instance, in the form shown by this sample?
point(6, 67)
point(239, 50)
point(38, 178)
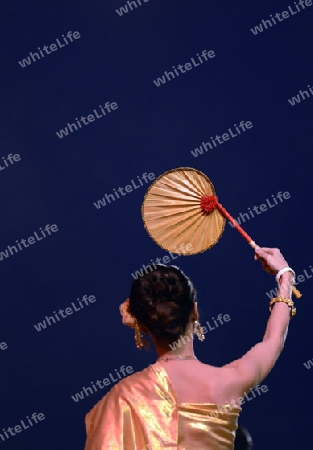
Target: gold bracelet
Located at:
point(288, 301)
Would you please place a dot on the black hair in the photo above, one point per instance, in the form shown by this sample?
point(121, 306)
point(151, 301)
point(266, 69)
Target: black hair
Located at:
point(162, 301)
point(243, 440)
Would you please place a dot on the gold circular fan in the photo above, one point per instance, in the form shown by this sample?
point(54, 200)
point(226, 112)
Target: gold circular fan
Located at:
point(182, 214)
point(172, 215)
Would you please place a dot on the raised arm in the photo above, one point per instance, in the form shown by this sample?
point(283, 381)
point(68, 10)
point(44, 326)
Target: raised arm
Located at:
point(256, 364)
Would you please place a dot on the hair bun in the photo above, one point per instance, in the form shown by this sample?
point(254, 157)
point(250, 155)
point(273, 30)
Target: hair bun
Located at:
point(162, 301)
point(168, 321)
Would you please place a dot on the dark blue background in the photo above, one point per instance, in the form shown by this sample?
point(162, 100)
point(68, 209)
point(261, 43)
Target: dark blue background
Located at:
point(153, 130)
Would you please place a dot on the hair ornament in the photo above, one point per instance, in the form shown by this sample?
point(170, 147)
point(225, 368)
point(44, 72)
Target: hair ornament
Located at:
point(127, 318)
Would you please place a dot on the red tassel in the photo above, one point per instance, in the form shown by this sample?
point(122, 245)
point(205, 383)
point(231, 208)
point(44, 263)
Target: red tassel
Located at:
point(208, 203)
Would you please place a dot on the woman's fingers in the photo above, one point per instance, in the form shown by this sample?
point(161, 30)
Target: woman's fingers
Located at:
point(271, 259)
point(260, 252)
point(271, 251)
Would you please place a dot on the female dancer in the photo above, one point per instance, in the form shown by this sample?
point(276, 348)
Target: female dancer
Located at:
point(179, 402)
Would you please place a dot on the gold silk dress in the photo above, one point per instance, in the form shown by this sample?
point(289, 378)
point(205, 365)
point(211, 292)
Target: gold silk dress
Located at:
point(141, 413)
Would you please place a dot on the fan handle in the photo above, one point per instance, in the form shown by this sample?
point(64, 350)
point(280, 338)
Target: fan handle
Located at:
point(250, 241)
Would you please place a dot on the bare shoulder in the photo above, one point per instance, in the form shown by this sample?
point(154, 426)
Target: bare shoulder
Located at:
point(200, 383)
point(223, 382)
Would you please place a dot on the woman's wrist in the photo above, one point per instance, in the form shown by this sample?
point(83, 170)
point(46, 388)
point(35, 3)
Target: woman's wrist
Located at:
point(287, 275)
point(285, 284)
point(281, 272)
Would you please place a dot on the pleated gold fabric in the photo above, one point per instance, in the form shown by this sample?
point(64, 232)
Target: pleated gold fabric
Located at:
point(172, 215)
point(141, 413)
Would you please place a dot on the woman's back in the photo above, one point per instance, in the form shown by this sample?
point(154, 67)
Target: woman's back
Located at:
point(144, 412)
point(178, 402)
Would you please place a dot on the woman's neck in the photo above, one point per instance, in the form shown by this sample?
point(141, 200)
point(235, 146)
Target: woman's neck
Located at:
point(183, 346)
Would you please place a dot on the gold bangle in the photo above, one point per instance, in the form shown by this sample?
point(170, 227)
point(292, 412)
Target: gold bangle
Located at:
point(288, 301)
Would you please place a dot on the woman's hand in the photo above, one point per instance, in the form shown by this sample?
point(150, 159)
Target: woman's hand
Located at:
point(271, 259)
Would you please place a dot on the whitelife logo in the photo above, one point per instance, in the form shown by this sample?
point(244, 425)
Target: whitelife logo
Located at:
point(11, 158)
point(280, 17)
point(299, 279)
point(165, 260)
point(106, 381)
point(128, 188)
point(64, 313)
point(190, 336)
point(31, 240)
point(263, 207)
point(244, 125)
point(304, 95)
point(18, 428)
point(3, 345)
point(53, 47)
point(131, 4)
point(86, 119)
point(168, 76)
point(241, 400)
point(308, 364)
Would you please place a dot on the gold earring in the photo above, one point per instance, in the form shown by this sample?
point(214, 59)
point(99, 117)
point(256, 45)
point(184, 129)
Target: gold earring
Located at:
point(138, 338)
point(140, 342)
point(199, 331)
